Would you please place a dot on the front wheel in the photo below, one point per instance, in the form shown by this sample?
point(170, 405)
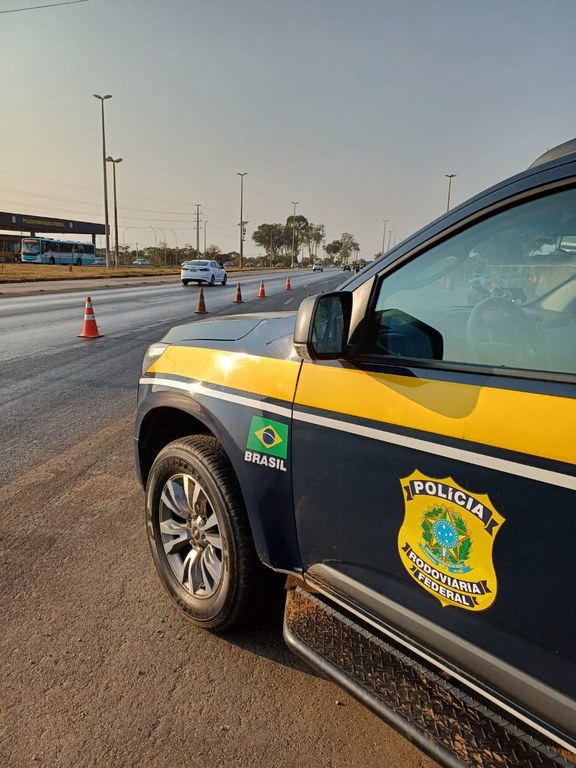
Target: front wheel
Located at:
point(200, 536)
point(184, 282)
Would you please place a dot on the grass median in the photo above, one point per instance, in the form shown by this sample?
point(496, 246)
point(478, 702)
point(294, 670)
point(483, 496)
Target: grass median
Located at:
point(29, 273)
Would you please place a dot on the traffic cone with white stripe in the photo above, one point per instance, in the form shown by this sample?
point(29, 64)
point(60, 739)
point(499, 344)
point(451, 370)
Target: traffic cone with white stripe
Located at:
point(261, 292)
point(89, 327)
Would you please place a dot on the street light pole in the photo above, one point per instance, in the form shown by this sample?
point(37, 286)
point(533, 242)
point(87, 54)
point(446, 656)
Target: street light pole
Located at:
point(449, 176)
point(176, 241)
point(118, 160)
point(106, 224)
point(242, 217)
point(164, 236)
point(124, 241)
point(294, 231)
point(384, 234)
point(205, 222)
point(155, 238)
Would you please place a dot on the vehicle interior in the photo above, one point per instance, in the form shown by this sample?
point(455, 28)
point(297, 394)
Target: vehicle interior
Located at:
point(501, 293)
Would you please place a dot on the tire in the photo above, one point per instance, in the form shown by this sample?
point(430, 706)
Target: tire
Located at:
point(51, 260)
point(184, 282)
point(212, 280)
point(78, 262)
point(224, 279)
point(200, 537)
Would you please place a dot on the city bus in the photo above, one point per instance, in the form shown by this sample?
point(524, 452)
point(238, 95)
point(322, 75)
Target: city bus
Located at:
point(9, 248)
point(45, 250)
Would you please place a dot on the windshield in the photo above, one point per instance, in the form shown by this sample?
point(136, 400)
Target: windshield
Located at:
point(30, 246)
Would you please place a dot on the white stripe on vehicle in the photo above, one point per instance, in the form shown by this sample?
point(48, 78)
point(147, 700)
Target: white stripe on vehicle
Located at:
point(438, 449)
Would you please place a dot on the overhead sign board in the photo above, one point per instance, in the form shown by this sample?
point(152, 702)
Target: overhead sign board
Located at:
point(22, 222)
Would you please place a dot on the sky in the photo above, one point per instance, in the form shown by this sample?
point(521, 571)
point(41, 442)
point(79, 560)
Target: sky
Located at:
point(354, 109)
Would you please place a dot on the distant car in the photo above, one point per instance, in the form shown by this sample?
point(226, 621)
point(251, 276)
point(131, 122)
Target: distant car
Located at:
point(142, 263)
point(202, 271)
point(99, 261)
point(228, 264)
point(317, 268)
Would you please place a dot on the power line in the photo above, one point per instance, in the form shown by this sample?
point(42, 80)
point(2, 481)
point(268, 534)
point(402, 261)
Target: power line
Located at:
point(51, 5)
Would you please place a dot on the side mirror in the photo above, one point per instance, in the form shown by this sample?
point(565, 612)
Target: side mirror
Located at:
point(322, 326)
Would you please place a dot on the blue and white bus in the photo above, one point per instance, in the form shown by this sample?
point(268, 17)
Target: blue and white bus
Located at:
point(45, 250)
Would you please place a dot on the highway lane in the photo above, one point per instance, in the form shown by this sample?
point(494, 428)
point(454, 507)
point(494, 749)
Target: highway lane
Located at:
point(99, 669)
point(48, 322)
point(56, 386)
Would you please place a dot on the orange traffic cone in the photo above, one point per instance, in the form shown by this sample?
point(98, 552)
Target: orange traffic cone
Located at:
point(238, 297)
point(287, 287)
point(261, 292)
point(201, 306)
point(89, 327)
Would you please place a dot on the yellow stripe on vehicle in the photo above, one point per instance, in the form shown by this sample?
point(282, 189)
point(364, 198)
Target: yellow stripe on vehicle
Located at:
point(529, 423)
point(267, 376)
point(535, 424)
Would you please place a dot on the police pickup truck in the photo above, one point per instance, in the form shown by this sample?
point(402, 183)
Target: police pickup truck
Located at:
point(401, 452)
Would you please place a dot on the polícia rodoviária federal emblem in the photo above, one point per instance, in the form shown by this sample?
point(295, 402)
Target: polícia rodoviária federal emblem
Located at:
point(446, 539)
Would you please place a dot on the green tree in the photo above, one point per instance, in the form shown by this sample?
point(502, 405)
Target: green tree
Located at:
point(350, 247)
point(297, 227)
point(333, 248)
point(312, 237)
point(275, 239)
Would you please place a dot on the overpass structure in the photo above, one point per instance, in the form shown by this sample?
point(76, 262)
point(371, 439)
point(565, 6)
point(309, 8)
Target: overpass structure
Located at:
point(33, 225)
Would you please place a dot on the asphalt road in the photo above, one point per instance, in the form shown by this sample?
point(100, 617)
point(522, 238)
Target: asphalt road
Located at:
point(98, 668)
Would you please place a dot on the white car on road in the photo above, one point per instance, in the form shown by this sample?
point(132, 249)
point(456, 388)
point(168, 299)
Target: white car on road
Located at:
point(202, 271)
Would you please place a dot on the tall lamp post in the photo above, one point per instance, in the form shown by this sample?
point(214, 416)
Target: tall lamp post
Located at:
point(384, 234)
point(242, 222)
point(294, 232)
point(106, 224)
point(118, 160)
point(155, 238)
point(176, 242)
point(164, 236)
point(449, 176)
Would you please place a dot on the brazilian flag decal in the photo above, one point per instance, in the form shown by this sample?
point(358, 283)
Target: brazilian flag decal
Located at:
point(267, 436)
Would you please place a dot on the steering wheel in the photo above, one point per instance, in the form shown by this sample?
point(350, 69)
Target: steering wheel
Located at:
point(502, 333)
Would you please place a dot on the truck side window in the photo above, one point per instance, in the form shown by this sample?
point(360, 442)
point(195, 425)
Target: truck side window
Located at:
point(501, 293)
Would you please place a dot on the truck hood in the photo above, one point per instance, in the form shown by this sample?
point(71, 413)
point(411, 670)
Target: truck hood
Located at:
point(268, 333)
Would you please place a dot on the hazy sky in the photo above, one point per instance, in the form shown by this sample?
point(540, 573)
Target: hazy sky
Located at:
point(354, 108)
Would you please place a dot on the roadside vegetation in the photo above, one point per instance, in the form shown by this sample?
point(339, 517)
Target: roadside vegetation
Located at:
point(18, 273)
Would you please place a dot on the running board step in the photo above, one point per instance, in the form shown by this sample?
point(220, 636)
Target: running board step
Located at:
point(441, 719)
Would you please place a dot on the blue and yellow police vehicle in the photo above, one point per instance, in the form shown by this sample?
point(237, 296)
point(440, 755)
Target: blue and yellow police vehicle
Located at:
point(400, 454)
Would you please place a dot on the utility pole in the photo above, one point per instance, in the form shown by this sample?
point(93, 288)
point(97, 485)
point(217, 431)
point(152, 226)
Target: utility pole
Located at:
point(242, 222)
point(205, 222)
point(198, 230)
point(294, 233)
point(384, 234)
point(449, 176)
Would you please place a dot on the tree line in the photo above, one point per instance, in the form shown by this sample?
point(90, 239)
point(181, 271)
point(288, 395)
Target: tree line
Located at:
point(297, 241)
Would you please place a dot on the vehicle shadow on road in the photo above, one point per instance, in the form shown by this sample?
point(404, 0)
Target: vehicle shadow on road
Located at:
point(264, 638)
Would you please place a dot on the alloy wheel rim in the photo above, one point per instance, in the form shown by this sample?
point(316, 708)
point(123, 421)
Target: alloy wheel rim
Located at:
point(190, 535)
